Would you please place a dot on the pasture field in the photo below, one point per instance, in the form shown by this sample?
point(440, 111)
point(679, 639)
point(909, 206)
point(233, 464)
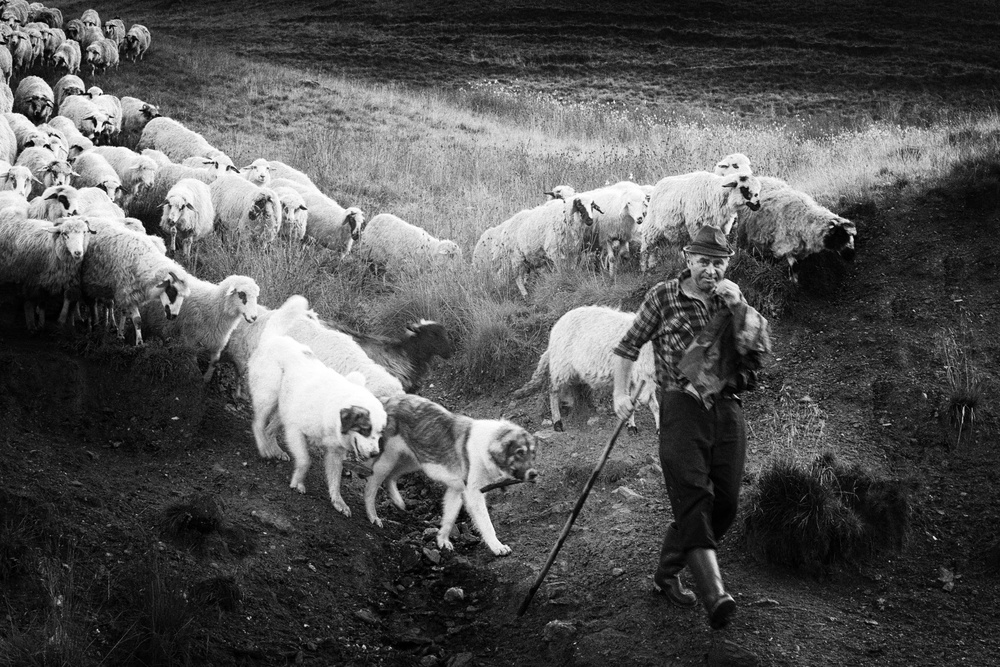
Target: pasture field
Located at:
point(139, 527)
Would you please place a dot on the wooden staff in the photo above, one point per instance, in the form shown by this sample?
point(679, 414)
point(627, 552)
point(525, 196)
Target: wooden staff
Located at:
point(579, 505)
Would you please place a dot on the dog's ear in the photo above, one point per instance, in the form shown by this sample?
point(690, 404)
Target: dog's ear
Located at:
point(520, 446)
point(356, 419)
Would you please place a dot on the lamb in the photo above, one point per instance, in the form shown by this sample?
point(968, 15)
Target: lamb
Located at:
point(242, 206)
point(86, 117)
point(257, 172)
point(790, 225)
point(48, 170)
point(551, 233)
point(409, 357)
point(136, 172)
point(188, 214)
point(6, 63)
point(292, 389)
point(43, 258)
point(16, 178)
point(76, 142)
point(68, 56)
point(135, 115)
point(34, 98)
point(400, 246)
point(147, 205)
point(334, 348)
point(124, 266)
point(95, 202)
point(328, 223)
point(115, 30)
point(59, 201)
point(680, 205)
point(294, 214)
point(623, 207)
point(136, 42)
point(210, 314)
point(176, 141)
point(101, 55)
point(93, 169)
point(580, 351)
point(68, 84)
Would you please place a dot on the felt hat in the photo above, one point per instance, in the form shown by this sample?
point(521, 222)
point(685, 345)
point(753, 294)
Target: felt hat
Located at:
point(709, 241)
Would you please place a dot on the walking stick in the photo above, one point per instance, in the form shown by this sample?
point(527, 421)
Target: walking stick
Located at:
point(579, 506)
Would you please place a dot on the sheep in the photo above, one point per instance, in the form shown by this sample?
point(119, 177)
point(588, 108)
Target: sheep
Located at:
point(791, 225)
point(551, 233)
point(112, 108)
point(86, 117)
point(399, 246)
point(21, 51)
point(188, 214)
point(623, 207)
point(95, 202)
point(37, 40)
point(327, 222)
point(486, 250)
point(147, 205)
point(135, 115)
point(101, 55)
point(125, 266)
point(15, 13)
point(54, 38)
point(334, 348)
point(257, 172)
point(734, 163)
point(58, 143)
point(136, 42)
point(59, 201)
point(68, 57)
point(93, 169)
point(6, 63)
point(210, 314)
point(89, 35)
point(16, 179)
point(68, 84)
point(48, 170)
point(76, 142)
point(136, 172)
point(91, 18)
point(176, 141)
point(27, 133)
point(580, 352)
point(680, 205)
point(115, 30)
point(34, 98)
point(8, 141)
point(242, 206)
point(159, 157)
point(6, 97)
point(51, 16)
point(220, 164)
point(279, 169)
point(43, 258)
point(13, 203)
point(294, 214)
point(408, 358)
point(73, 29)
point(560, 192)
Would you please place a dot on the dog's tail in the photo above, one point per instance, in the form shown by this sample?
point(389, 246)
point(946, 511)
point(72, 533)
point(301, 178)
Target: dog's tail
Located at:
point(281, 320)
point(538, 379)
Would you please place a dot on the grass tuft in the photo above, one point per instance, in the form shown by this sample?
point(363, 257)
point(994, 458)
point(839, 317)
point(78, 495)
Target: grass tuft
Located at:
point(965, 381)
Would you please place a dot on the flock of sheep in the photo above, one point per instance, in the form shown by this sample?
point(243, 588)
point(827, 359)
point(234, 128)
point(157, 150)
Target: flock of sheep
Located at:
point(102, 200)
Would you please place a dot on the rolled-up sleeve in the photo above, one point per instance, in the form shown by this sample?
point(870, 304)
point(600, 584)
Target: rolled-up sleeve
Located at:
point(644, 328)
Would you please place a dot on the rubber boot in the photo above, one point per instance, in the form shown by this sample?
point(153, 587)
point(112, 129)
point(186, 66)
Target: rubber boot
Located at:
point(666, 579)
point(718, 603)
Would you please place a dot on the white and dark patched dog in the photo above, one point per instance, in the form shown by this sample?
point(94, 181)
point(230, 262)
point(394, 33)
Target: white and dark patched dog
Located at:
point(291, 388)
point(462, 453)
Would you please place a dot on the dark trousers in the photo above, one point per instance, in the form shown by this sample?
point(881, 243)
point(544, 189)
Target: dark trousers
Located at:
point(703, 452)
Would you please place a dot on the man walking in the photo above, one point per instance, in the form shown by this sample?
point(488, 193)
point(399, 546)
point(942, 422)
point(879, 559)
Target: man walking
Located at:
point(707, 345)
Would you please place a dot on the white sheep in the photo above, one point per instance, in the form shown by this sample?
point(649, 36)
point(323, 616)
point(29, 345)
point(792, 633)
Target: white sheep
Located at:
point(188, 214)
point(115, 30)
point(580, 352)
point(622, 207)
point(67, 57)
point(54, 38)
point(101, 55)
point(279, 169)
point(791, 225)
point(328, 223)
point(560, 192)
point(87, 118)
point(136, 42)
point(548, 235)
point(257, 172)
point(210, 314)
point(59, 201)
point(15, 12)
point(8, 141)
point(13, 203)
point(16, 179)
point(76, 142)
point(158, 156)
point(220, 164)
point(95, 202)
point(6, 64)
point(680, 205)
point(334, 348)
point(175, 140)
point(21, 51)
point(6, 98)
point(111, 106)
point(135, 115)
point(294, 214)
point(147, 206)
point(136, 172)
point(91, 18)
point(58, 142)
point(93, 170)
point(734, 163)
point(26, 132)
point(241, 206)
point(89, 35)
point(36, 36)
point(34, 98)
point(127, 268)
point(48, 170)
point(42, 258)
point(401, 247)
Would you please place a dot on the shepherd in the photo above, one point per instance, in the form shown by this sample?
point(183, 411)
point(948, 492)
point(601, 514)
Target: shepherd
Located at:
point(708, 344)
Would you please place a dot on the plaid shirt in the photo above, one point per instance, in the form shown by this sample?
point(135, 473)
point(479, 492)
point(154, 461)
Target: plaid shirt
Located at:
point(671, 319)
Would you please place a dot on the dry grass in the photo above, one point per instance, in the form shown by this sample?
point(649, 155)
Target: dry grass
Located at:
point(965, 382)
